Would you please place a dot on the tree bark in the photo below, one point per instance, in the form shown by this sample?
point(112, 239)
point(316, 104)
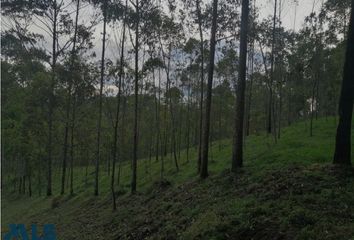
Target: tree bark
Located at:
point(68, 104)
point(343, 137)
point(237, 153)
point(99, 123)
point(72, 147)
point(116, 124)
point(250, 91)
point(136, 89)
point(199, 16)
point(271, 127)
point(206, 126)
point(51, 100)
point(188, 121)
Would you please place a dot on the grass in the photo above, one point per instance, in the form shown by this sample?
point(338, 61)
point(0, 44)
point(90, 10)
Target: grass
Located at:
point(287, 190)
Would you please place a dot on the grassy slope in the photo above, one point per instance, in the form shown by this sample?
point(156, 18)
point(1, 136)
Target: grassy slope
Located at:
point(285, 191)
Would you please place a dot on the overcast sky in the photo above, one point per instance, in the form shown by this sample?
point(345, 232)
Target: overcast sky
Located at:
point(292, 16)
point(303, 9)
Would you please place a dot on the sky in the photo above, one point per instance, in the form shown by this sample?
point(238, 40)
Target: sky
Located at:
point(292, 16)
point(290, 11)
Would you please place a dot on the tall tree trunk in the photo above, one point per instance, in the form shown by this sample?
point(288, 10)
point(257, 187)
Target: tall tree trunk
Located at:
point(135, 144)
point(280, 108)
point(250, 91)
point(51, 100)
point(271, 128)
point(180, 133)
point(99, 123)
point(237, 153)
point(281, 75)
point(200, 28)
point(162, 169)
point(72, 147)
point(343, 138)
point(123, 130)
point(173, 122)
point(252, 71)
point(188, 120)
point(206, 126)
point(116, 124)
point(157, 117)
point(173, 126)
point(68, 103)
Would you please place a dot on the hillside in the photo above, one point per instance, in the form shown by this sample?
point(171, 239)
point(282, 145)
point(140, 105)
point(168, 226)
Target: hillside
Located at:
point(287, 190)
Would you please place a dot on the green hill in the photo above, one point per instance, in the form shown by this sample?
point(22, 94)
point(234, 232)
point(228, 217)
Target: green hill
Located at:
point(287, 190)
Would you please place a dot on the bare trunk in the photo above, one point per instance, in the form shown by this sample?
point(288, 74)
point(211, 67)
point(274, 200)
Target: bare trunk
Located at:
point(51, 101)
point(250, 91)
point(68, 104)
point(188, 122)
point(237, 153)
point(123, 139)
point(271, 128)
point(135, 140)
point(99, 123)
point(72, 148)
point(206, 126)
point(199, 16)
point(116, 124)
point(343, 138)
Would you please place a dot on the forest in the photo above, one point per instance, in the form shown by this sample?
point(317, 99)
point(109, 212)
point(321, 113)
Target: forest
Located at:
point(178, 119)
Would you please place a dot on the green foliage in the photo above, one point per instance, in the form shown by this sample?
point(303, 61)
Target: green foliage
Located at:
point(285, 190)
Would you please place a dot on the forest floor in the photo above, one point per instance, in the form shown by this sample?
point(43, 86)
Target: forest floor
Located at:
point(287, 190)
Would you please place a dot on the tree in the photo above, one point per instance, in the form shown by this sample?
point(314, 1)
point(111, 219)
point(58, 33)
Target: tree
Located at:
point(51, 99)
point(66, 133)
point(136, 91)
point(343, 139)
point(99, 121)
point(206, 126)
point(116, 124)
point(237, 153)
point(271, 111)
point(200, 29)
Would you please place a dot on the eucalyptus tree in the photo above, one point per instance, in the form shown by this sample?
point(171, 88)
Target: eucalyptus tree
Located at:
point(142, 18)
point(68, 105)
point(206, 126)
point(271, 112)
point(150, 66)
point(104, 8)
point(200, 29)
point(343, 137)
point(170, 35)
point(55, 21)
point(197, 11)
point(251, 63)
point(188, 73)
point(120, 76)
point(24, 87)
point(337, 16)
point(237, 152)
